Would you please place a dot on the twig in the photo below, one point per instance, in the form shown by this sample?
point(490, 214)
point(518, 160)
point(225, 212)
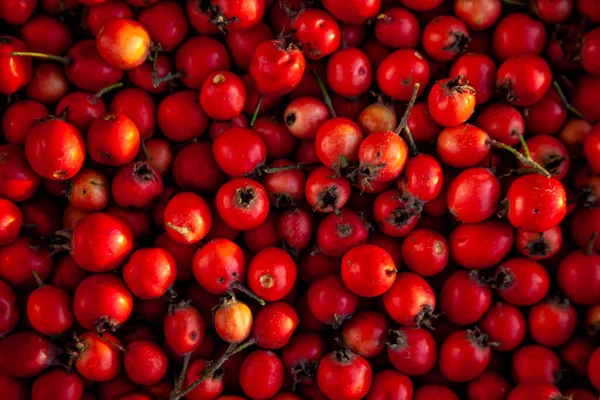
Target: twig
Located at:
point(326, 97)
point(403, 125)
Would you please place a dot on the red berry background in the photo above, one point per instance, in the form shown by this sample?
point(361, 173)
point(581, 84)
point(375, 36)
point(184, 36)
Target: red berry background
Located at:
point(296, 199)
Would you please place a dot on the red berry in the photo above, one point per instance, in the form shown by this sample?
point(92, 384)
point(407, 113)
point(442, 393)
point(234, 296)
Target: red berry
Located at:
point(344, 375)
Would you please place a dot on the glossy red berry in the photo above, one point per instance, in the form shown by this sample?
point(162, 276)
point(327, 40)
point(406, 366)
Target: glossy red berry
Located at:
point(368, 270)
point(505, 325)
point(524, 78)
point(445, 37)
point(465, 297)
point(330, 301)
point(123, 43)
point(49, 310)
point(464, 355)
point(145, 362)
point(410, 300)
point(399, 71)
point(113, 139)
point(274, 325)
point(522, 282)
point(344, 375)
point(183, 328)
point(149, 273)
point(187, 218)
point(412, 351)
point(277, 68)
point(271, 274)
point(98, 359)
point(473, 195)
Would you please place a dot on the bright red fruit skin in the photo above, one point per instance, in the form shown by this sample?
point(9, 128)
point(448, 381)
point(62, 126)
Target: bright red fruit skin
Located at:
point(344, 376)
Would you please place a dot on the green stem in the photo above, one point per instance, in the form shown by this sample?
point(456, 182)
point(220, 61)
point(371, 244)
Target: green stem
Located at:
point(403, 125)
point(256, 111)
point(214, 366)
point(272, 170)
point(589, 250)
point(247, 292)
point(526, 161)
point(181, 380)
point(38, 280)
point(326, 97)
point(156, 81)
point(566, 103)
point(64, 60)
point(524, 146)
point(107, 89)
point(145, 150)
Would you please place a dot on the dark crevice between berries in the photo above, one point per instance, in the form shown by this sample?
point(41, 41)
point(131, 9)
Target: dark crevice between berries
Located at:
point(245, 197)
point(283, 201)
point(506, 91)
point(553, 163)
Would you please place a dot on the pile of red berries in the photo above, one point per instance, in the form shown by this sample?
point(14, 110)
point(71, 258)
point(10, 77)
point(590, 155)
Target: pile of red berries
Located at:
point(294, 199)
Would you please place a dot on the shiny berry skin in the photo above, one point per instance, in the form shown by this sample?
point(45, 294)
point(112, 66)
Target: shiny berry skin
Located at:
point(535, 363)
point(218, 265)
point(349, 72)
point(88, 70)
point(242, 203)
point(9, 315)
point(139, 107)
point(410, 300)
point(210, 388)
point(355, 12)
point(542, 391)
point(136, 185)
point(481, 245)
point(390, 384)
point(49, 310)
point(113, 140)
point(20, 117)
point(465, 297)
point(337, 142)
point(239, 151)
point(547, 116)
point(59, 383)
point(149, 273)
point(11, 219)
point(181, 117)
point(16, 71)
point(187, 218)
point(578, 276)
point(368, 270)
point(502, 122)
point(488, 386)
point(480, 71)
point(591, 147)
point(552, 322)
point(318, 32)
point(522, 282)
point(434, 392)
point(271, 274)
point(463, 146)
point(302, 355)
point(101, 242)
point(425, 252)
point(412, 351)
point(399, 71)
point(55, 149)
point(366, 333)
point(330, 301)
point(277, 69)
point(145, 362)
point(261, 375)
point(123, 43)
point(304, 116)
point(25, 354)
point(524, 78)
point(445, 37)
point(536, 203)
point(99, 360)
point(478, 15)
point(464, 355)
point(274, 325)
point(382, 157)
point(232, 320)
point(398, 28)
point(166, 24)
point(20, 258)
point(377, 117)
point(505, 325)
point(199, 56)
point(102, 301)
point(183, 328)
point(473, 195)
point(424, 177)
point(223, 95)
point(344, 375)
point(339, 233)
point(518, 34)
point(197, 157)
point(395, 213)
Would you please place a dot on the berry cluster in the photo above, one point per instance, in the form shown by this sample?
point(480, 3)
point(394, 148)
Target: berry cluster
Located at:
point(296, 199)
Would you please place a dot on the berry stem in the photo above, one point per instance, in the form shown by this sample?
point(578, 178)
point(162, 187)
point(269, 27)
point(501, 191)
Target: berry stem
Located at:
point(403, 125)
point(145, 150)
point(589, 250)
point(256, 111)
point(64, 60)
point(272, 170)
point(233, 348)
point(326, 97)
point(566, 103)
point(247, 292)
point(156, 81)
point(524, 146)
point(527, 161)
point(179, 383)
point(37, 278)
point(107, 89)
point(515, 3)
